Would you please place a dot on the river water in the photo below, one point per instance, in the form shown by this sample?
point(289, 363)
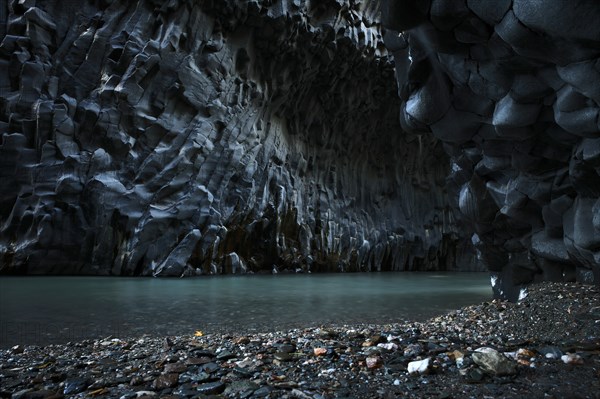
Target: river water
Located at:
point(42, 310)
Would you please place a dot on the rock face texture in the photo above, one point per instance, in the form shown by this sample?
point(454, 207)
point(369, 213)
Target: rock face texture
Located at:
point(188, 137)
point(195, 136)
point(512, 89)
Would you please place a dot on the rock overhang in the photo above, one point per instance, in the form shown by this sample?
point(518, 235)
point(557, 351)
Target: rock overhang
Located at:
point(522, 80)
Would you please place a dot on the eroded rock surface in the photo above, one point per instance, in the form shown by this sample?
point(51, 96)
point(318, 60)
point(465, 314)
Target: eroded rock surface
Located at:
point(181, 137)
point(512, 88)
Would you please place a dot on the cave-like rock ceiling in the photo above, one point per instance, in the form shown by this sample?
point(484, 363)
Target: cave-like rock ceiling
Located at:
point(185, 137)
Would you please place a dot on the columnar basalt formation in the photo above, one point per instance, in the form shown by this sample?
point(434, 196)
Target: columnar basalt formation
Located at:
point(512, 89)
point(192, 136)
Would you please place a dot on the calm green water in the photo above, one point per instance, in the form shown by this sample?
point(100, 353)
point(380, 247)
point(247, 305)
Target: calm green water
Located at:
point(41, 310)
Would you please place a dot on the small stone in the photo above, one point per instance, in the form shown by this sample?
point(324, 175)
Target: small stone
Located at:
point(390, 346)
point(283, 356)
point(525, 353)
point(395, 364)
point(175, 368)
point(331, 352)
point(455, 355)
point(242, 341)
point(166, 381)
point(288, 348)
point(136, 380)
point(17, 349)
point(243, 372)
point(493, 362)
point(412, 350)
point(210, 367)
point(244, 363)
point(373, 362)
point(325, 333)
point(171, 359)
point(474, 374)
point(21, 394)
point(419, 366)
point(140, 394)
point(200, 377)
point(374, 340)
point(296, 393)
point(41, 394)
point(96, 392)
point(571, 358)
point(204, 353)
point(262, 392)
point(352, 334)
point(198, 360)
point(167, 343)
point(240, 388)
point(320, 351)
point(75, 385)
point(185, 390)
point(524, 362)
point(225, 355)
point(211, 388)
point(551, 352)
point(434, 348)
point(293, 384)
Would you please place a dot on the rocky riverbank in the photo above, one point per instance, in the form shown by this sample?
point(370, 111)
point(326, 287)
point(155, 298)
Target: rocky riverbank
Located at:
point(548, 345)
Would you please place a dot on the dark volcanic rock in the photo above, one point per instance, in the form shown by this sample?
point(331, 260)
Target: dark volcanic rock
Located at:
point(522, 128)
point(199, 137)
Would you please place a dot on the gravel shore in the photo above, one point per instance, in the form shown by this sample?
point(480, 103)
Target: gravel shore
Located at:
point(546, 346)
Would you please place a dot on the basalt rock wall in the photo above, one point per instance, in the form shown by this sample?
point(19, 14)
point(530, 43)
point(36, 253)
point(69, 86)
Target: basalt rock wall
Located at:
point(512, 89)
point(197, 137)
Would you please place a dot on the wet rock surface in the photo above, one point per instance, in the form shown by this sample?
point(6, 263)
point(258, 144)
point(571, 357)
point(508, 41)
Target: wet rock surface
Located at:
point(438, 358)
point(511, 89)
point(205, 137)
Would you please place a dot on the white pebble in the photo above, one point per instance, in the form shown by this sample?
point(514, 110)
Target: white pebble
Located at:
point(419, 366)
point(570, 358)
point(389, 346)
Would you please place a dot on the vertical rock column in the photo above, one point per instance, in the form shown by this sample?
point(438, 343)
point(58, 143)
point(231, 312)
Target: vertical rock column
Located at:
point(192, 137)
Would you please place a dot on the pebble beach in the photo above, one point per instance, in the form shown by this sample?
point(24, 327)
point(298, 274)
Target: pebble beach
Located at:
point(545, 346)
